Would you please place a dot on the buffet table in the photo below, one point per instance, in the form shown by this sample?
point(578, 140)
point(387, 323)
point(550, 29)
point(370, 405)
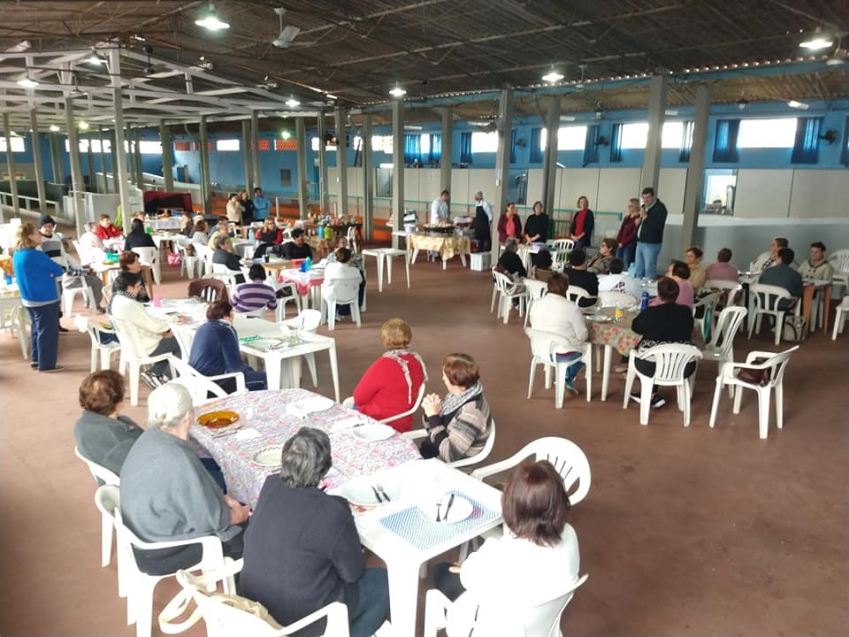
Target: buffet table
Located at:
point(448, 246)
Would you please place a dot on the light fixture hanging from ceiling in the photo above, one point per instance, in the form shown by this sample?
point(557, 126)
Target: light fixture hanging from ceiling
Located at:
point(819, 40)
point(292, 103)
point(799, 105)
point(27, 82)
point(397, 91)
point(840, 54)
point(95, 58)
point(553, 76)
point(83, 125)
point(54, 128)
point(209, 20)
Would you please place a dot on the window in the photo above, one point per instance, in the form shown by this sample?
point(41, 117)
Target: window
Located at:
point(767, 133)
point(484, 142)
point(636, 135)
point(568, 138)
point(382, 144)
point(357, 143)
point(149, 147)
point(84, 144)
point(224, 145)
point(327, 147)
point(424, 145)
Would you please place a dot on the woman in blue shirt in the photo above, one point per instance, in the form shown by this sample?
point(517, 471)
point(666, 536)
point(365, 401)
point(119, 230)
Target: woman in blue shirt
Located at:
point(215, 350)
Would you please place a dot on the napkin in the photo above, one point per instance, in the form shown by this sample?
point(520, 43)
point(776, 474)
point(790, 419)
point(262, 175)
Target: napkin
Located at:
point(247, 433)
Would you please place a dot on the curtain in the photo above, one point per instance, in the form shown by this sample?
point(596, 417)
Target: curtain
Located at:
point(686, 142)
point(536, 150)
point(616, 144)
point(806, 149)
point(844, 154)
point(435, 155)
point(412, 148)
point(466, 148)
point(514, 136)
point(591, 145)
point(725, 145)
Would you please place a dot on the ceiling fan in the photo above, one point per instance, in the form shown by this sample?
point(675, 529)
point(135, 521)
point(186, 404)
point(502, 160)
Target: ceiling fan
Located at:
point(287, 34)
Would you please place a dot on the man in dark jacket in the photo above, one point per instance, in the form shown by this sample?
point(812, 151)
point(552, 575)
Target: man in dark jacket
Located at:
point(649, 234)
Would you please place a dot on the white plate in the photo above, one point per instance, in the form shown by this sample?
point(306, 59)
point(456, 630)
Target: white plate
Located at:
point(373, 433)
point(459, 511)
point(360, 493)
point(268, 457)
point(315, 403)
point(598, 319)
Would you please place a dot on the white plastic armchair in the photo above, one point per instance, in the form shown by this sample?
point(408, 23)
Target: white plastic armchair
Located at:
point(136, 586)
point(767, 298)
point(839, 261)
point(200, 386)
point(204, 253)
point(306, 321)
point(544, 346)
point(150, 257)
point(104, 475)
point(839, 319)
point(223, 273)
point(670, 361)
point(223, 620)
point(507, 290)
point(720, 346)
point(68, 294)
point(499, 617)
point(564, 245)
point(99, 350)
point(536, 290)
point(411, 411)
point(758, 264)
point(133, 355)
point(729, 375)
point(576, 292)
point(730, 290)
point(340, 292)
point(463, 462)
point(707, 304)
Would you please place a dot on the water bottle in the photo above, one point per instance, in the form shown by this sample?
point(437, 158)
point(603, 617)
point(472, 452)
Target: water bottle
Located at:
point(644, 301)
point(251, 236)
point(308, 264)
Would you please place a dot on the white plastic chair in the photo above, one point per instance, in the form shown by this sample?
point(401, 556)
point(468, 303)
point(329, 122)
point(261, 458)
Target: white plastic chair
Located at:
point(560, 259)
point(416, 434)
point(536, 290)
point(612, 298)
point(670, 362)
point(19, 319)
point(758, 264)
point(133, 355)
point(497, 617)
point(68, 294)
point(306, 321)
point(150, 257)
point(340, 292)
point(708, 304)
point(576, 292)
point(507, 290)
point(205, 255)
point(730, 290)
point(291, 294)
point(223, 273)
point(100, 350)
point(223, 620)
point(104, 475)
point(839, 319)
point(200, 386)
point(720, 346)
point(544, 346)
point(188, 262)
point(839, 261)
point(729, 375)
point(352, 239)
point(562, 245)
point(137, 586)
point(767, 298)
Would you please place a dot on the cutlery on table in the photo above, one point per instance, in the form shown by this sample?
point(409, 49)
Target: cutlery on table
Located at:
point(448, 508)
point(383, 493)
point(438, 509)
point(228, 432)
point(376, 494)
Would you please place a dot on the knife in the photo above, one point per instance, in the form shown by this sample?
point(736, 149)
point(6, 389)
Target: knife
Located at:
point(376, 494)
point(448, 508)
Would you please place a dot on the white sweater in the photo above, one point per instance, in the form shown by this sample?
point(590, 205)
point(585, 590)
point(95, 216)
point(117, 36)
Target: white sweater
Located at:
point(557, 314)
point(150, 329)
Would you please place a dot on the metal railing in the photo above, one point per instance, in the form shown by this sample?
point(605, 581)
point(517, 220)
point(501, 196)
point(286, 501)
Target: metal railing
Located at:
point(31, 205)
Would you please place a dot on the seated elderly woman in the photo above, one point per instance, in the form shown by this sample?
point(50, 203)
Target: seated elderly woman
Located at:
point(215, 350)
point(680, 273)
point(668, 321)
point(536, 558)
point(129, 262)
point(224, 255)
point(200, 233)
point(459, 425)
point(542, 266)
point(103, 435)
point(600, 262)
point(392, 383)
point(167, 494)
point(510, 263)
point(302, 549)
point(556, 314)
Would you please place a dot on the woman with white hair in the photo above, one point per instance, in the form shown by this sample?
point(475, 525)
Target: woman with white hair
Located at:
point(302, 549)
point(167, 494)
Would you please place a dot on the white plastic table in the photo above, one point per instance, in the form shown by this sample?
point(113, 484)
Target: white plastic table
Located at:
point(384, 256)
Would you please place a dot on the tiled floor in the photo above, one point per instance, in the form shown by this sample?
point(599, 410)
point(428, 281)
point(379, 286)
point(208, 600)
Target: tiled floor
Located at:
point(684, 532)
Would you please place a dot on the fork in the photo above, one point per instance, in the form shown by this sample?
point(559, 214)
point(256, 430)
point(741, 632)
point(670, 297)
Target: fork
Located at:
point(383, 493)
point(438, 510)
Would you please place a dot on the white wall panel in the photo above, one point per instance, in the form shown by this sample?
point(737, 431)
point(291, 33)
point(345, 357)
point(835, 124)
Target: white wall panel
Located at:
point(411, 184)
point(820, 193)
point(615, 187)
point(355, 181)
point(482, 179)
point(430, 184)
point(534, 185)
point(459, 186)
point(670, 189)
point(575, 182)
point(763, 193)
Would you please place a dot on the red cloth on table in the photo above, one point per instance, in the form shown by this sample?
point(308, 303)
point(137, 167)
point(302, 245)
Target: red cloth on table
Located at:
point(382, 391)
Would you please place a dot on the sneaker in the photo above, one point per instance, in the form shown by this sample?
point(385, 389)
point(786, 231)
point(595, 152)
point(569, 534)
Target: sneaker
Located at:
point(58, 368)
point(571, 386)
point(161, 379)
point(33, 365)
point(635, 398)
point(657, 401)
point(149, 380)
point(63, 330)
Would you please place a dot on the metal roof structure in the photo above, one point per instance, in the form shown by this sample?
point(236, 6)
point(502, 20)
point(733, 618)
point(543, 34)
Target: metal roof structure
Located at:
point(323, 53)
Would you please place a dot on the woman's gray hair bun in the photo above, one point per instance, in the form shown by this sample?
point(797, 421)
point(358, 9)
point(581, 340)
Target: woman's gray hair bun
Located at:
point(167, 406)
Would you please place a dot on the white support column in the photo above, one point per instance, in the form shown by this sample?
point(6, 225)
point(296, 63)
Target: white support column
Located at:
point(397, 168)
point(77, 185)
point(90, 164)
point(137, 160)
point(10, 162)
point(502, 164)
point(303, 189)
point(368, 180)
point(447, 146)
point(167, 156)
point(119, 159)
point(37, 159)
point(323, 199)
point(255, 161)
point(205, 183)
point(342, 161)
point(549, 164)
point(247, 155)
point(657, 111)
point(696, 168)
point(56, 158)
point(103, 170)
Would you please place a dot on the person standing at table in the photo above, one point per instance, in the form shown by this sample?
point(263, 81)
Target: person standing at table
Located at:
point(537, 225)
point(509, 224)
point(583, 222)
point(627, 237)
point(439, 208)
point(235, 209)
point(262, 205)
point(248, 206)
point(302, 549)
point(649, 234)
point(37, 275)
point(483, 223)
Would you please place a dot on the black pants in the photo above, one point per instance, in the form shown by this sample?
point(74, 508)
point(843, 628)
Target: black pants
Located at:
point(446, 582)
point(647, 367)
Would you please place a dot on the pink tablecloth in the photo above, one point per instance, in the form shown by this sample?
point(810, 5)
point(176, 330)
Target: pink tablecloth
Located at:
point(302, 280)
point(352, 457)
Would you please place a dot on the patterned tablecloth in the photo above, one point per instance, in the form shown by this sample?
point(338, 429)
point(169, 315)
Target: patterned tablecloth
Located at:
point(302, 280)
point(269, 413)
point(448, 246)
point(618, 335)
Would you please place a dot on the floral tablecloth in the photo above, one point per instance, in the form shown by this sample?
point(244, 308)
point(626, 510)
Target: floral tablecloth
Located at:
point(619, 335)
point(267, 413)
point(448, 246)
point(302, 280)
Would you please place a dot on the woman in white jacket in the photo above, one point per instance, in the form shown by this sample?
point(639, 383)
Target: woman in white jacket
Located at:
point(557, 314)
point(342, 268)
point(154, 334)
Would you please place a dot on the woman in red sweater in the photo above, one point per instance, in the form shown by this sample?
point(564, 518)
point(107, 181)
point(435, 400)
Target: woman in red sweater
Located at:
point(391, 385)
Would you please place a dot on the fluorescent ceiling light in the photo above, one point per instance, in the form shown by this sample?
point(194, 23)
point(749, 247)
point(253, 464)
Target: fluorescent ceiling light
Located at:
point(27, 82)
point(397, 91)
point(95, 58)
point(553, 76)
point(210, 20)
point(330, 96)
point(285, 134)
point(83, 125)
point(670, 112)
point(567, 118)
point(795, 104)
point(292, 103)
point(20, 47)
point(818, 41)
point(54, 128)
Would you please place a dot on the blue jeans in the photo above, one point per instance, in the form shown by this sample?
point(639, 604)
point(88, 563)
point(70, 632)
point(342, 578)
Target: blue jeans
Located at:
point(45, 335)
point(627, 254)
point(573, 369)
point(647, 254)
point(373, 604)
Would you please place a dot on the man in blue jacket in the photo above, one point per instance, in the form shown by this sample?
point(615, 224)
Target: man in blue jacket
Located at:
point(262, 205)
point(649, 235)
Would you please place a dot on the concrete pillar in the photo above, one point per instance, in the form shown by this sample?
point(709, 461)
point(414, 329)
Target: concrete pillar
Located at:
point(323, 199)
point(90, 165)
point(397, 168)
point(549, 162)
point(103, 168)
point(303, 189)
point(205, 188)
point(138, 159)
point(56, 158)
point(247, 155)
point(342, 161)
point(696, 168)
point(502, 164)
point(368, 180)
point(10, 163)
point(77, 185)
point(447, 146)
point(37, 160)
point(167, 156)
point(119, 161)
point(657, 110)
point(255, 162)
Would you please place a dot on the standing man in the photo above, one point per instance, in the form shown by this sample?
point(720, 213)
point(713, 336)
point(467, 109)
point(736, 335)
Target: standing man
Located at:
point(262, 205)
point(483, 223)
point(649, 234)
point(439, 208)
